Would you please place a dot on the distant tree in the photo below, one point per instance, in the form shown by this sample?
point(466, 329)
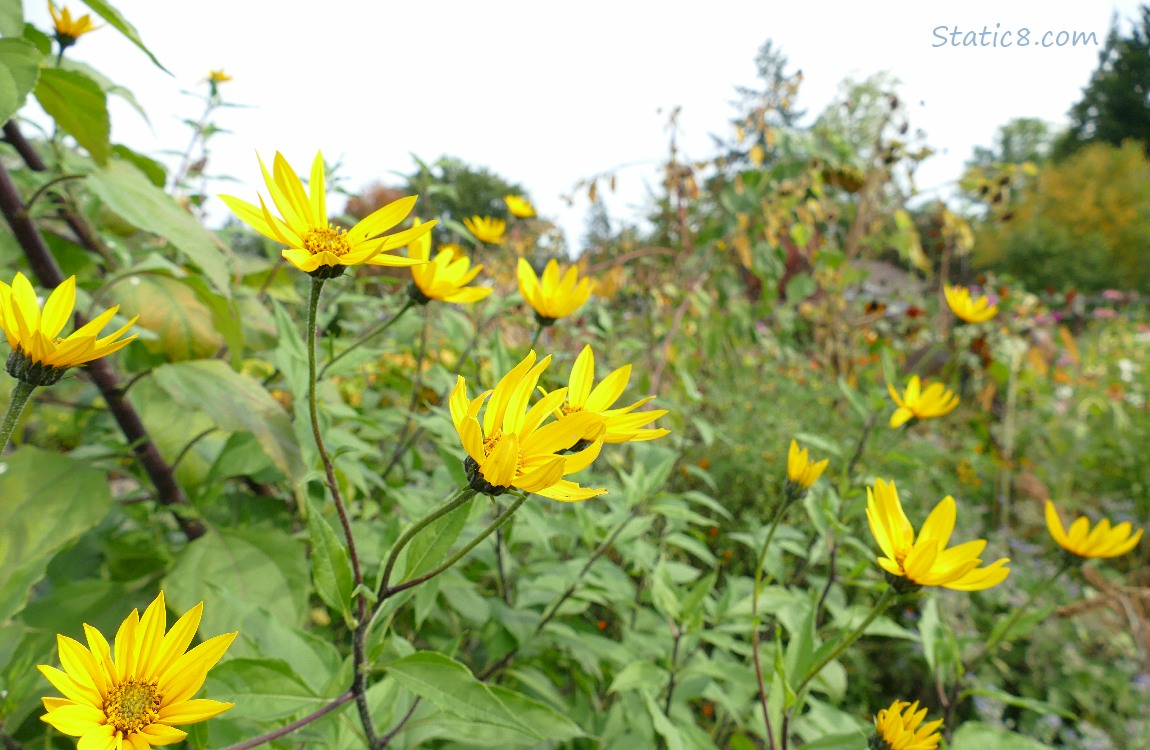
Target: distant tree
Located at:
point(1083, 223)
point(1022, 140)
point(1116, 103)
point(777, 96)
point(454, 190)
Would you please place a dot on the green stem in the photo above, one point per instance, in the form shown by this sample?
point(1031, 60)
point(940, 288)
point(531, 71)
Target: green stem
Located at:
point(1003, 631)
point(880, 606)
point(535, 339)
point(491, 529)
point(460, 498)
point(375, 330)
point(20, 396)
point(359, 681)
point(760, 559)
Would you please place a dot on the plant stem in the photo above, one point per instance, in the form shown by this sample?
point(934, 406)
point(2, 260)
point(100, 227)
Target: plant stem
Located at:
point(460, 498)
point(359, 682)
point(288, 729)
point(375, 330)
point(535, 339)
point(20, 395)
point(503, 518)
point(880, 606)
point(760, 559)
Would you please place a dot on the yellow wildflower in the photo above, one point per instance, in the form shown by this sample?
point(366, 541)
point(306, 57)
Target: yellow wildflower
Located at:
point(916, 403)
point(899, 727)
point(68, 30)
point(486, 229)
point(623, 424)
point(511, 449)
point(41, 356)
point(315, 245)
point(445, 278)
point(132, 695)
point(1103, 541)
point(218, 76)
point(801, 470)
point(926, 560)
point(972, 310)
point(554, 297)
point(519, 206)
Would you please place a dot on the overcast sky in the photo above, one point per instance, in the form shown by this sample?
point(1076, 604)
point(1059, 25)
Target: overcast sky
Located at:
point(548, 93)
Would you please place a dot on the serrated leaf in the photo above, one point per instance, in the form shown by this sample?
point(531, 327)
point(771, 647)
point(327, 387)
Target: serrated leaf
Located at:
point(79, 106)
point(453, 689)
point(19, 71)
point(430, 546)
point(128, 192)
point(235, 403)
point(330, 566)
point(46, 502)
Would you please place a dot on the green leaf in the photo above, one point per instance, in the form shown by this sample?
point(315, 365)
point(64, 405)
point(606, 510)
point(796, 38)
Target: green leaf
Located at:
point(430, 546)
point(974, 735)
point(128, 192)
point(330, 566)
point(169, 308)
point(19, 71)
point(11, 20)
point(229, 569)
point(47, 501)
point(639, 675)
point(851, 741)
point(453, 689)
point(1031, 704)
point(235, 403)
point(156, 172)
point(119, 23)
point(79, 106)
point(799, 287)
point(262, 689)
point(663, 725)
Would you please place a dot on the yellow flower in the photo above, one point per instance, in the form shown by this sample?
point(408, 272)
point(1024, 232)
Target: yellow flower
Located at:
point(445, 278)
point(218, 76)
point(456, 251)
point(1103, 541)
point(976, 310)
point(67, 29)
point(916, 403)
point(511, 449)
point(623, 424)
point(35, 334)
point(130, 696)
point(926, 560)
point(486, 229)
point(899, 727)
point(519, 206)
point(553, 297)
point(312, 242)
point(801, 470)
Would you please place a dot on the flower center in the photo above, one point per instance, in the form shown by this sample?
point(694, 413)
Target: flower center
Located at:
point(330, 239)
point(132, 705)
point(490, 443)
point(569, 409)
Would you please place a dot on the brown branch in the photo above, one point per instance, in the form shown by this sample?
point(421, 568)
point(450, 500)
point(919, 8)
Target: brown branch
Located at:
point(48, 273)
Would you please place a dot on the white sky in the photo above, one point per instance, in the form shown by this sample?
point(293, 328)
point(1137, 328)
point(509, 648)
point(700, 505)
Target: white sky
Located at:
point(548, 93)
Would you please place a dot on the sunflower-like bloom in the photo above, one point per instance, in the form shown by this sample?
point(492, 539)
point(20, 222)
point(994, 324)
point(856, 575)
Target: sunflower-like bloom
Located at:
point(1103, 541)
point(623, 424)
point(445, 278)
point(39, 355)
point(486, 229)
point(519, 206)
point(313, 244)
point(68, 30)
point(972, 310)
point(511, 449)
point(218, 76)
point(901, 727)
point(802, 472)
point(925, 560)
point(132, 695)
point(553, 297)
point(916, 403)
